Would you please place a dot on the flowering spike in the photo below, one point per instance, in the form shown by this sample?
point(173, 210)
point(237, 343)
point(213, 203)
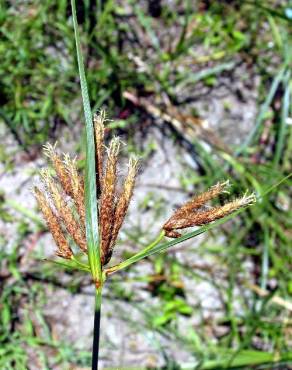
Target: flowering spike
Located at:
point(198, 201)
point(123, 203)
point(64, 211)
point(50, 152)
point(107, 198)
point(189, 217)
point(77, 185)
point(63, 248)
point(99, 140)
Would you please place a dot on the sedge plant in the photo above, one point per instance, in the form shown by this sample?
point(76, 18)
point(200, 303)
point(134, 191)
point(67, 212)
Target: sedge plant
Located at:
point(85, 213)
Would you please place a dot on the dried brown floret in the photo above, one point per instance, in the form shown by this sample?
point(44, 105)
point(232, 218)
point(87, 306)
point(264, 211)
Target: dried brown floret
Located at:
point(197, 202)
point(53, 224)
point(194, 217)
point(77, 185)
point(50, 152)
point(172, 234)
point(107, 199)
point(64, 211)
point(99, 139)
point(122, 205)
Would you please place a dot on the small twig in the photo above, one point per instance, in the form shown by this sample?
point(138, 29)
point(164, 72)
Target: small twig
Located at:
point(187, 126)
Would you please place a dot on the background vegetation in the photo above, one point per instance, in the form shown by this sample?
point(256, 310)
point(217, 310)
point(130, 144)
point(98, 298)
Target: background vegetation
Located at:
point(150, 63)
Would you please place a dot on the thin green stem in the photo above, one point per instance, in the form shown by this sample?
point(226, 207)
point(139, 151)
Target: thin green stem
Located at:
point(96, 329)
point(83, 265)
point(128, 262)
point(69, 265)
point(155, 242)
point(274, 186)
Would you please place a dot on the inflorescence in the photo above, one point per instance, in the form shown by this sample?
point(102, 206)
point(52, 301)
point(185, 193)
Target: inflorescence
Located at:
point(63, 201)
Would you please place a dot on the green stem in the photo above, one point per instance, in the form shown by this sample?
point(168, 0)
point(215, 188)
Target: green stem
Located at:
point(156, 241)
point(274, 186)
point(96, 329)
point(128, 262)
point(91, 208)
point(83, 265)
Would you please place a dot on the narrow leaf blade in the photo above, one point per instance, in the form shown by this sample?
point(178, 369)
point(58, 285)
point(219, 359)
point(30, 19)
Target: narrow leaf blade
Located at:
point(90, 175)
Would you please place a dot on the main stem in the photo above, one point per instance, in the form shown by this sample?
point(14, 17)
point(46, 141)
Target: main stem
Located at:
point(96, 329)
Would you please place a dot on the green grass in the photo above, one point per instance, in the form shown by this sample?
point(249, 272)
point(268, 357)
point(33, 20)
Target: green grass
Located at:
point(40, 95)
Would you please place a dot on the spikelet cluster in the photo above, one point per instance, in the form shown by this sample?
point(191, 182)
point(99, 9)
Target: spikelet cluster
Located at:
point(193, 213)
point(113, 205)
point(63, 202)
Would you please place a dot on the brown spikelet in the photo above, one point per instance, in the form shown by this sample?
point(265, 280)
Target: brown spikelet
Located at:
point(64, 211)
point(172, 234)
point(205, 217)
point(59, 167)
point(53, 224)
point(107, 198)
point(123, 202)
point(99, 139)
point(197, 202)
point(77, 185)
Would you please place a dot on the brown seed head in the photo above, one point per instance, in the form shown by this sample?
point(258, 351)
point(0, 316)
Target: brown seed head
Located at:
point(124, 201)
point(107, 200)
point(172, 234)
point(77, 185)
point(99, 140)
point(64, 211)
point(53, 224)
point(197, 202)
point(199, 218)
point(50, 152)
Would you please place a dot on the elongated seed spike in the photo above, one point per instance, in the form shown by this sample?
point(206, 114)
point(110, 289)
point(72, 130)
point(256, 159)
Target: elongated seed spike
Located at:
point(197, 202)
point(205, 217)
point(77, 185)
point(99, 140)
point(107, 199)
point(50, 152)
point(123, 204)
point(64, 211)
point(63, 248)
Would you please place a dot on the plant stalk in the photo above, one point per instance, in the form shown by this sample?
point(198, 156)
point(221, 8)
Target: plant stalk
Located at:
point(96, 329)
point(91, 208)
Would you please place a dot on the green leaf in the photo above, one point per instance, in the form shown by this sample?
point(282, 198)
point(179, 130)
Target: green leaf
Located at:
point(263, 111)
point(244, 358)
point(284, 116)
point(70, 264)
point(92, 236)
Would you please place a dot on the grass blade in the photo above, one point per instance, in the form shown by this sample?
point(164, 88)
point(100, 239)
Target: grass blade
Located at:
point(246, 358)
point(263, 111)
point(283, 123)
point(71, 265)
point(193, 78)
point(90, 176)
point(273, 12)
